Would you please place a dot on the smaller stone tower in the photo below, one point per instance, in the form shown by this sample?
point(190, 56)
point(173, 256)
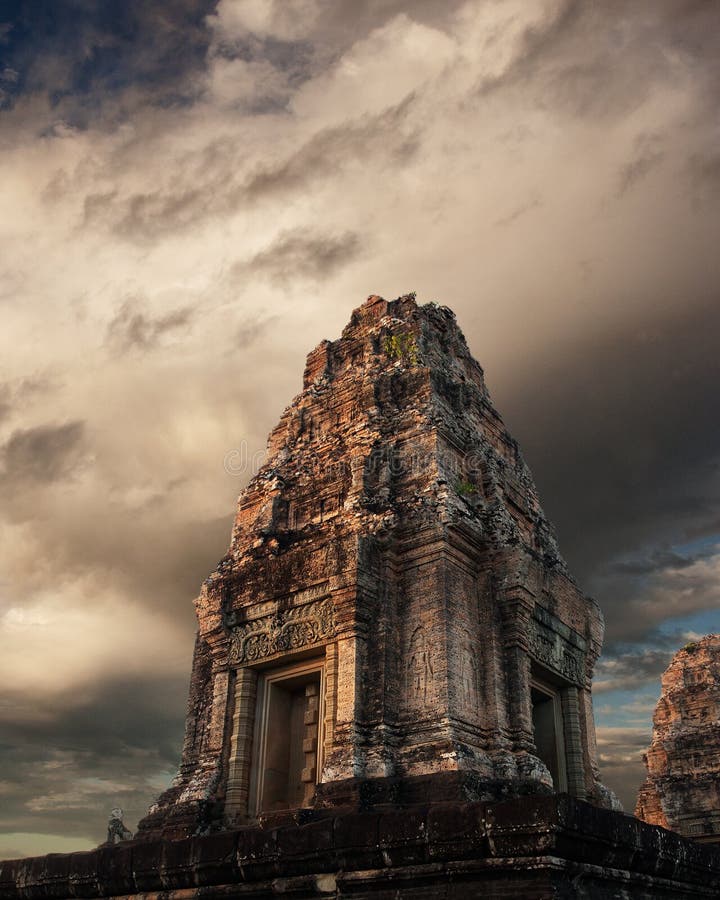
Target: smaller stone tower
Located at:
point(682, 788)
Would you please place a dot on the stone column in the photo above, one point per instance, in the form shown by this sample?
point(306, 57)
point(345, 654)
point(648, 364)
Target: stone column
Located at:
point(331, 693)
point(519, 702)
point(238, 785)
point(346, 760)
point(587, 719)
point(516, 609)
point(590, 741)
point(573, 742)
point(216, 731)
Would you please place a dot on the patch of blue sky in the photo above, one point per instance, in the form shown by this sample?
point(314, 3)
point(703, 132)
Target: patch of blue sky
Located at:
point(699, 547)
point(626, 708)
point(695, 625)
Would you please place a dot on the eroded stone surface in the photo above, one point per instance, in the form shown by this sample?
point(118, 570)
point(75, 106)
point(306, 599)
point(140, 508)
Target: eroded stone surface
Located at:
point(535, 848)
point(396, 536)
point(682, 789)
point(393, 500)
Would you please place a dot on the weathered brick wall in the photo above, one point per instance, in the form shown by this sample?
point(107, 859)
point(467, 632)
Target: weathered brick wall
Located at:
point(535, 848)
point(682, 789)
point(396, 529)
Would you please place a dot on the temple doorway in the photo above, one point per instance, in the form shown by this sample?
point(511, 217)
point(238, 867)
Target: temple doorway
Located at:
point(288, 746)
point(548, 731)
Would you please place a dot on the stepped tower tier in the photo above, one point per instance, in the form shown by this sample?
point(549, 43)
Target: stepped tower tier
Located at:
point(393, 618)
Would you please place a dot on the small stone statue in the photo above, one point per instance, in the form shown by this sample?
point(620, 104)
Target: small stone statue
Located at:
point(116, 828)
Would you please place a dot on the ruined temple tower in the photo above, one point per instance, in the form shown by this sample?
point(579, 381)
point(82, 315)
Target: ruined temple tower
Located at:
point(392, 626)
point(393, 619)
point(682, 788)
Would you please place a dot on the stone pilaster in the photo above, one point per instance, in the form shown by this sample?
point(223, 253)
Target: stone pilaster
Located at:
point(331, 692)
point(573, 742)
point(238, 786)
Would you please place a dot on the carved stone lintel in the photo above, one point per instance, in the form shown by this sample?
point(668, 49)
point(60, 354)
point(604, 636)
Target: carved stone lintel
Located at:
point(557, 647)
point(292, 629)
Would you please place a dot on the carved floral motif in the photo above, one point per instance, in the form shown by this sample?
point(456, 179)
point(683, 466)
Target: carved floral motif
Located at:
point(550, 649)
point(291, 629)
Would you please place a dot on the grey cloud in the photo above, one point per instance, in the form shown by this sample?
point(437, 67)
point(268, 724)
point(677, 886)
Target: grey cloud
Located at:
point(647, 157)
point(299, 254)
point(632, 473)
point(604, 60)
point(131, 328)
point(632, 670)
point(94, 61)
point(346, 21)
point(67, 764)
point(704, 169)
point(622, 434)
point(165, 570)
point(335, 28)
point(654, 561)
point(519, 211)
point(148, 216)
point(217, 188)
point(158, 561)
point(296, 61)
point(621, 765)
point(251, 331)
point(20, 393)
point(537, 42)
point(5, 402)
point(636, 604)
point(95, 206)
point(98, 63)
point(45, 453)
point(11, 284)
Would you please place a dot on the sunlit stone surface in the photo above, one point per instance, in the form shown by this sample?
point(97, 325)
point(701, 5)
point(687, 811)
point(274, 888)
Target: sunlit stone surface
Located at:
point(393, 604)
point(682, 789)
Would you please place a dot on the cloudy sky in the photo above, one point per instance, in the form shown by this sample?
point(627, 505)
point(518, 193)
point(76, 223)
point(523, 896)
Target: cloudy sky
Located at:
point(193, 193)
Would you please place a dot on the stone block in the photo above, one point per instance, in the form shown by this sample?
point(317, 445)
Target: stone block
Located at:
point(216, 858)
point(147, 861)
point(305, 840)
point(458, 825)
point(115, 869)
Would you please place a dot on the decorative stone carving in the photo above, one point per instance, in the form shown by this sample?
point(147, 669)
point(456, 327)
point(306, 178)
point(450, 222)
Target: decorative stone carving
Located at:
point(293, 629)
point(556, 646)
point(419, 670)
point(468, 676)
point(116, 827)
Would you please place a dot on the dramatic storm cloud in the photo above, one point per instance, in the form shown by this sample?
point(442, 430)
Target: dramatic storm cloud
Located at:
point(194, 193)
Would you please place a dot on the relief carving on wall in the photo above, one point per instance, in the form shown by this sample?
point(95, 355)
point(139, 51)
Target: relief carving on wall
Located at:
point(556, 650)
point(468, 675)
point(419, 670)
point(292, 629)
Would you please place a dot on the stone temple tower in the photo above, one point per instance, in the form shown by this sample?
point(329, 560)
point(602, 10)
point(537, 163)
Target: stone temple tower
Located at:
point(682, 788)
point(393, 621)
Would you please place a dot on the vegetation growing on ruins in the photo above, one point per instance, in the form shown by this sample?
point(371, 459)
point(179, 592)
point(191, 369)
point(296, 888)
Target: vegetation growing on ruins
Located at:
point(402, 347)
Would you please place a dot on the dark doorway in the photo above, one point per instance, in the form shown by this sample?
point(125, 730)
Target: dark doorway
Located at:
point(547, 728)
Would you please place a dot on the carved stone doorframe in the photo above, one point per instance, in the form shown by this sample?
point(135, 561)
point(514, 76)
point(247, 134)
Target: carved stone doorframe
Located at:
point(314, 754)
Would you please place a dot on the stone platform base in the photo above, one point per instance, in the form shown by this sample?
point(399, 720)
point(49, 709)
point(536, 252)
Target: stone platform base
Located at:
point(422, 790)
point(530, 847)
